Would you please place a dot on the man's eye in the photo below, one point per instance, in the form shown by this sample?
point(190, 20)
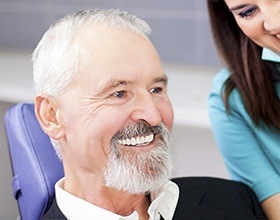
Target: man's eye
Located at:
point(119, 94)
point(248, 12)
point(156, 90)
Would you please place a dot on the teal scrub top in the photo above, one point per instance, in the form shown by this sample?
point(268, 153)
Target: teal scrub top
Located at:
point(251, 154)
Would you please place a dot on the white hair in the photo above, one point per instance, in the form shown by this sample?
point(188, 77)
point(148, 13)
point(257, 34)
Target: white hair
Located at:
point(56, 63)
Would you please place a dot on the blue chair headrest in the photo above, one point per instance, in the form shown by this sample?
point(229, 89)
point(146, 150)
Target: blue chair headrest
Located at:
point(35, 165)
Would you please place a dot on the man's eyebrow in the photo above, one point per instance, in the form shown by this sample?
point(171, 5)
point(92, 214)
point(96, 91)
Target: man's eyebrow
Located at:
point(110, 85)
point(114, 83)
point(163, 79)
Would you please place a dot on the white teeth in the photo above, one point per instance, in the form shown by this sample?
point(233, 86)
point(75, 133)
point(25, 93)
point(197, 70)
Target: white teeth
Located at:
point(133, 141)
point(137, 141)
point(127, 141)
point(278, 36)
point(149, 138)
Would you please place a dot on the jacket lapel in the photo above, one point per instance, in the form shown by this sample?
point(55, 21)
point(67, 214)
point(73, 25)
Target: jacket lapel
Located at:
point(189, 207)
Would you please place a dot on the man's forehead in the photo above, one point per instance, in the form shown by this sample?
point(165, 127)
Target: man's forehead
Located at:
point(98, 33)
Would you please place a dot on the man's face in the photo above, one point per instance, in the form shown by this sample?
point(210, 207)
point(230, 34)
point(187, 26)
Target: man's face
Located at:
point(121, 87)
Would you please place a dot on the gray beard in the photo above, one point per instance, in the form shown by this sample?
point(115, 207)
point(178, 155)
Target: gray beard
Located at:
point(142, 171)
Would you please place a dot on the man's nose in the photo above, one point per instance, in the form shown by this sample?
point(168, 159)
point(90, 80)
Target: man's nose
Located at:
point(271, 18)
point(145, 108)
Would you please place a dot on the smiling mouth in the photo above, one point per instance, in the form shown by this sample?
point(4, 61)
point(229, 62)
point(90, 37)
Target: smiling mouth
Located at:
point(137, 141)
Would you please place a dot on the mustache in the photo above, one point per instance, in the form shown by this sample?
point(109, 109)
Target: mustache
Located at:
point(141, 128)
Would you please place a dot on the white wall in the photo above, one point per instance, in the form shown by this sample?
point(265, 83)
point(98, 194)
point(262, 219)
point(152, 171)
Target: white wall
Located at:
point(194, 149)
point(195, 153)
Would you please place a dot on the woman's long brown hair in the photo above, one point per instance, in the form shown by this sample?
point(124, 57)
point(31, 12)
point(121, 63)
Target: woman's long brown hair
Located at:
point(252, 76)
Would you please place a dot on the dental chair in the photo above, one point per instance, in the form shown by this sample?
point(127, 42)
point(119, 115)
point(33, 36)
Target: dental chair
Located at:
point(35, 166)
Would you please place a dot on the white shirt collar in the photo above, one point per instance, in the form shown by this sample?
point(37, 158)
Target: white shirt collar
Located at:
point(270, 55)
point(164, 203)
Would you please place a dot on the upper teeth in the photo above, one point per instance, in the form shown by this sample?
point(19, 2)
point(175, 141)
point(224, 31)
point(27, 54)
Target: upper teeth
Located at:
point(278, 35)
point(137, 141)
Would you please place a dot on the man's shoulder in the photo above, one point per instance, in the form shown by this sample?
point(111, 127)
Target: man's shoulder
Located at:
point(220, 198)
point(54, 213)
point(216, 188)
point(210, 183)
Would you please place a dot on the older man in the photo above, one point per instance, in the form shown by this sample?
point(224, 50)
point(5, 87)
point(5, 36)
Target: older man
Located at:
point(101, 97)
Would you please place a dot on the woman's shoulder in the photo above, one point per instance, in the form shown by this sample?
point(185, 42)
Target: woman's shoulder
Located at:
point(218, 83)
point(220, 78)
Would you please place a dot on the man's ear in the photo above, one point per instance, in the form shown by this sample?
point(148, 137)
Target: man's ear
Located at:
point(47, 115)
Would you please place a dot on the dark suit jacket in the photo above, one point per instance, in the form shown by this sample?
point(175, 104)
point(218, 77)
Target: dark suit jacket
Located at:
point(206, 198)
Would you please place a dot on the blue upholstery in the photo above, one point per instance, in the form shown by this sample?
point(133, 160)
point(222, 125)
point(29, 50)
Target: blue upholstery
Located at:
point(35, 166)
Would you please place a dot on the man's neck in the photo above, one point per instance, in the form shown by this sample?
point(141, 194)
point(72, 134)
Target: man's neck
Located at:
point(115, 201)
point(124, 204)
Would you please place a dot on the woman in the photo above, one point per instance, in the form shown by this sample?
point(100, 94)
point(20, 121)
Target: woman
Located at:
point(244, 105)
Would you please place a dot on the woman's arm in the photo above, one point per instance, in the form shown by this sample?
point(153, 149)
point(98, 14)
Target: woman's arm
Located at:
point(238, 141)
point(271, 207)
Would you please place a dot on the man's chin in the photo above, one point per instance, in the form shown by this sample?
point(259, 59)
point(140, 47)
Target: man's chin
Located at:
point(144, 188)
point(134, 182)
point(138, 172)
